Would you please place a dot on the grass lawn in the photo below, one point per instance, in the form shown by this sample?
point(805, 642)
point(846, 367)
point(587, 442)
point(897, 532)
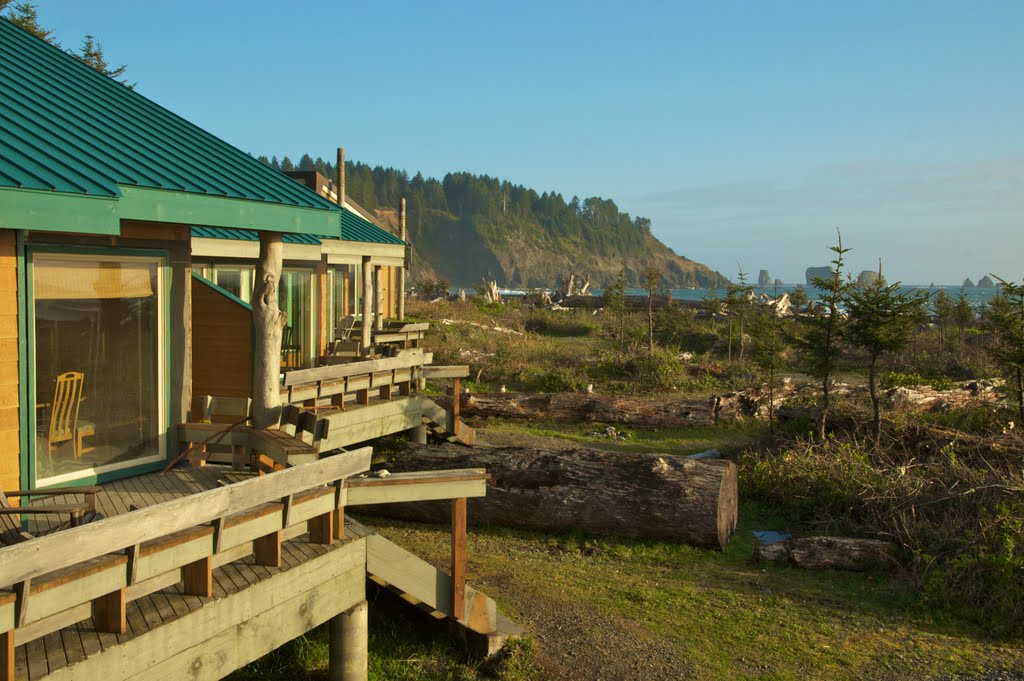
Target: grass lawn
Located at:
point(714, 614)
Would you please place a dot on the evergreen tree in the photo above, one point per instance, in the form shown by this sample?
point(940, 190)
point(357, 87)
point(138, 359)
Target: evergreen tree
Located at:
point(287, 165)
point(881, 320)
point(798, 298)
point(25, 16)
point(963, 315)
point(306, 163)
point(739, 299)
point(91, 54)
point(1004, 319)
point(274, 163)
point(615, 303)
point(650, 277)
point(820, 343)
point(942, 308)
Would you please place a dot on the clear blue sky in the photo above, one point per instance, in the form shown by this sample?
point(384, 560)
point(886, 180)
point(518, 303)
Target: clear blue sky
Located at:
point(746, 131)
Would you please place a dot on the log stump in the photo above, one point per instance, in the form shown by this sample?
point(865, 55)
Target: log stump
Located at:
point(657, 496)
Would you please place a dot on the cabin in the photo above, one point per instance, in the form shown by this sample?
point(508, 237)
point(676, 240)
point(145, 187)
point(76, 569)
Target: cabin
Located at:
point(127, 242)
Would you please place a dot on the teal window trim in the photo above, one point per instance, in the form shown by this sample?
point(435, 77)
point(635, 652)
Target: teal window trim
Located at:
point(25, 416)
point(27, 373)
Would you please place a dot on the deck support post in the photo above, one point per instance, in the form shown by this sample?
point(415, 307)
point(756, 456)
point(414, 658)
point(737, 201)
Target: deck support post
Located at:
point(456, 401)
point(459, 558)
point(378, 288)
point(348, 658)
point(418, 435)
point(367, 305)
point(321, 299)
point(400, 275)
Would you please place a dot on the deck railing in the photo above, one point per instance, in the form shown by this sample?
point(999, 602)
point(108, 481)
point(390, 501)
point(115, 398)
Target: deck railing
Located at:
point(93, 570)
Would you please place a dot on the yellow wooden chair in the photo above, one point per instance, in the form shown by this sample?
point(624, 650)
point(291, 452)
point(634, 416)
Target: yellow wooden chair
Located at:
point(291, 349)
point(64, 422)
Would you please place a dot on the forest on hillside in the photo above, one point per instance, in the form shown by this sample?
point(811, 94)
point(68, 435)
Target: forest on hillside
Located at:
point(513, 233)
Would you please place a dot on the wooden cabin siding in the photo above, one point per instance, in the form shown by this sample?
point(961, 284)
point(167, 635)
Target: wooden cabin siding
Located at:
point(10, 444)
point(221, 345)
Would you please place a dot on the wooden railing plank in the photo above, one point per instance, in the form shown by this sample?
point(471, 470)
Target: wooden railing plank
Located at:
point(339, 371)
point(45, 554)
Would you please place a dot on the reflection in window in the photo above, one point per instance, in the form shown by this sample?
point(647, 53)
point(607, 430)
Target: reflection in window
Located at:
point(295, 302)
point(98, 366)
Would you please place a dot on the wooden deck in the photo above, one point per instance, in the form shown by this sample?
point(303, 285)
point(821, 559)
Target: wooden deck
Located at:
point(275, 568)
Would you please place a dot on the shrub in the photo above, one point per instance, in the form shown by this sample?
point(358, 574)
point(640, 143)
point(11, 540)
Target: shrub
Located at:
point(954, 508)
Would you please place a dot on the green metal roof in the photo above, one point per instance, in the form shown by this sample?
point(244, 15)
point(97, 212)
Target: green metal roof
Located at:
point(356, 228)
point(66, 128)
point(353, 228)
point(249, 235)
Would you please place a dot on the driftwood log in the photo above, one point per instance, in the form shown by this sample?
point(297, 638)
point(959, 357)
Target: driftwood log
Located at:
point(601, 492)
point(655, 413)
point(837, 553)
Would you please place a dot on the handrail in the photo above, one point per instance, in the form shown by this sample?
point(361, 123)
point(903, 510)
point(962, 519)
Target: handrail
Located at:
point(339, 371)
point(42, 555)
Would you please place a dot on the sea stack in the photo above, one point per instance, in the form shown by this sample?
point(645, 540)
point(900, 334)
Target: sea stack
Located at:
point(813, 273)
point(869, 278)
point(968, 283)
point(986, 282)
point(764, 280)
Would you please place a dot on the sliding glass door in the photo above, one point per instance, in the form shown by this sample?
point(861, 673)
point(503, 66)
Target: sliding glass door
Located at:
point(98, 363)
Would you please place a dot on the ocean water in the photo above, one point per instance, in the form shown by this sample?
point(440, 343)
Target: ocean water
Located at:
point(977, 296)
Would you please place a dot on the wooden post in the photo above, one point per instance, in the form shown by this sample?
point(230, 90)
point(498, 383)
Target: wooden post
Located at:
point(347, 651)
point(7, 656)
point(459, 558)
point(266, 550)
point(378, 288)
point(108, 612)
point(197, 578)
point(367, 304)
point(268, 325)
point(322, 294)
point(456, 402)
point(321, 528)
point(400, 285)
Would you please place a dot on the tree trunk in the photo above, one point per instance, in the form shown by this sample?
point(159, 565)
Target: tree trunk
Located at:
point(656, 412)
point(823, 417)
point(601, 492)
point(268, 323)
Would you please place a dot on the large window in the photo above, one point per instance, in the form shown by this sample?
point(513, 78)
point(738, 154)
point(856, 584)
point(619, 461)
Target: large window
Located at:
point(98, 357)
point(295, 298)
point(344, 290)
point(296, 303)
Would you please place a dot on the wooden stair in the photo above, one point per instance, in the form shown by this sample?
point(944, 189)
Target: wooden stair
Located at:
point(440, 422)
point(423, 586)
